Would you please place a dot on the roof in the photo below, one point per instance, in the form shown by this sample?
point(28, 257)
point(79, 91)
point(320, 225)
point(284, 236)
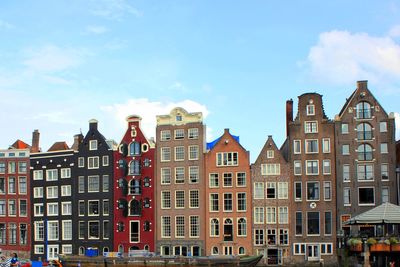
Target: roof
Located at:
point(57, 146)
point(386, 213)
point(19, 145)
point(212, 144)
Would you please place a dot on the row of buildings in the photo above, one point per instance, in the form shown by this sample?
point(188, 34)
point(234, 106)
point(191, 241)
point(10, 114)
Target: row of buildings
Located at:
point(184, 196)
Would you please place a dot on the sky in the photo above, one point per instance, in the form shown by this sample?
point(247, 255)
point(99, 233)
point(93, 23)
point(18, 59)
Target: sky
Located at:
point(63, 63)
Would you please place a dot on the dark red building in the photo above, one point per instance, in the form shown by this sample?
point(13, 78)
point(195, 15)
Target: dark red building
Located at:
point(134, 190)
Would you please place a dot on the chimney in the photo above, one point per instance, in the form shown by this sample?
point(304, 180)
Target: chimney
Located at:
point(35, 141)
point(289, 114)
point(93, 124)
point(362, 85)
point(77, 140)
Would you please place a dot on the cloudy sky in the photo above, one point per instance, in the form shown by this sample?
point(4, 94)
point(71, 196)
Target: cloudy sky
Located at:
point(63, 63)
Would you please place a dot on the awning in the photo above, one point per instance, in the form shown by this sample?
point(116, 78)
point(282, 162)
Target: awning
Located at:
point(387, 213)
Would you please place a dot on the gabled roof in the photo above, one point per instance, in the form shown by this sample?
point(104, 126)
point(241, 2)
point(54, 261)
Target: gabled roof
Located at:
point(58, 146)
point(20, 145)
point(212, 144)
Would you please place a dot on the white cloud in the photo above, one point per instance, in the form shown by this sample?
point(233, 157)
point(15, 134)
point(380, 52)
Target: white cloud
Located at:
point(149, 110)
point(5, 25)
point(395, 31)
point(341, 57)
point(96, 29)
point(114, 9)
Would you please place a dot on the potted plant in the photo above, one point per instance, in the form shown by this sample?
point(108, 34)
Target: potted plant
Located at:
point(381, 246)
point(371, 241)
point(355, 244)
point(394, 244)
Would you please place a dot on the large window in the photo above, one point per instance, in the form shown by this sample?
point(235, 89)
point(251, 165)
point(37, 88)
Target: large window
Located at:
point(258, 237)
point(179, 226)
point(52, 175)
point(179, 153)
point(227, 159)
point(364, 152)
point(165, 226)
point(93, 230)
point(312, 167)
point(313, 223)
point(193, 198)
point(165, 154)
point(194, 226)
point(165, 199)
point(214, 202)
point(311, 127)
point(228, 179)
point(93, 183)
point(193, 133)
point(134, 148)
point(241, 202)
point(365, 172)
point(311, 146)
point(364, 131)
point(228, 206)
point(363, 110)
point(312, 190)
point(179, 199)
point(52, 230)
point(366, 196)
point(93, 162)
point(193, 152)
point(270, 169)
point(165, 135)
point(240, 179)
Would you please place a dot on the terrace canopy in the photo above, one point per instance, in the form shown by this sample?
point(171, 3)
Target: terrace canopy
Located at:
point(386, 213)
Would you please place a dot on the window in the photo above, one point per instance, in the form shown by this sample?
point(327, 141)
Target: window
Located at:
point(228, 179)
point(93, 207)
point(165, 175)
point(312, 223)
point(12, 185)
point(345, 149)
point(310, 110)
point(346, 196)
point(258, 190)
point(93, 145)
point(345, 128)
point(81, 230)
point(259, 215)
point(228, 202)
point(12, 233)
point(271, 190)
point(2, 167)
point(2, 185)
point(241, 202)
point(326, 166)
point(297, 167)
point(94, 183)
point(271, 215)
point(270, 154)
point(52, 175)
point(165, 199)
point(67, 230)
point(194, 174)
point(283, 213)
point(311, 146)
point(66, 208)
point(179, 226)
point(240, 179)
point(284, 237)
point(134, 186)
point(23, 208)
point(311, 127)
point(81, 208)
point(179, 175)
point(365, 172)
point(134, 167)
point(384, 148)
point(297, 191)
point(22, 167)
point(312, 190)
point(299, 223)
point(179, 153)
point(312, 167)
point(106, 207)
point(22, 187)
point(193, 198)
point(66, 249)
point(11, 167)
point(165, 154)
point(242, 227)
point(134, 149)
point(81, 184)
point(38, 175)
point(214, 202)
point(258, 237)
point(193, 133)
point(271, 236)
point(179, 134)
point(270, 169)
point(39, 249)
point(179, 199)
point(364, 152)
point(385, 171)
point(346, 173)
point(214, 227)
point(81, 162)
point(52, 209)
point(366, 196)
point(193, 152)
point(328, 223)
point(165, 135)
point(93, 162)
point(327, 191)
point(38, 209)
point(383, 126)
point(227, 159)
point(326, 145)
point(297, 146)
point(106, 183)
point(66, 173)
point(283, 190)
point(214, 180)
point(52, 192)
point(385, 194)
point(364, 131)
point(93, 230)
point(194, 226)
point(363, 110)
point(106, 161)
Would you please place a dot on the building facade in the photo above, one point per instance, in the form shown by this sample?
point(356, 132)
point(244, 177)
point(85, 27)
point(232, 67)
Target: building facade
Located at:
point(366, 159)
point(311, 155)
point(134, 190)
point(270, 177)
point(15, 216)
point(180, 183)
point(92, 192)
point(228, 217)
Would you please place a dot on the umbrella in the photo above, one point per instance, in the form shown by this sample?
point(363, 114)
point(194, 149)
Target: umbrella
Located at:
point(386, 213)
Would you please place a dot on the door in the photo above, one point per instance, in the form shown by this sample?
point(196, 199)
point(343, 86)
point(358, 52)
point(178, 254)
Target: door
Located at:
point(52, 252)
point(313, 252)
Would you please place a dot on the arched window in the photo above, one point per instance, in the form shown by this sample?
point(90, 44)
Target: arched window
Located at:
point(363, 110)
point(134, 167)
point(146, 247)
point(134, 208)
point(364, 131)
point(120, 248)
point(214, 227)
point(134, 187)
point(228, 230)
point(81, 251)
point(214, 251)
point(242, 227)
point(241, 251)
point(134, 148)
point(105, 249)
point(364, 152)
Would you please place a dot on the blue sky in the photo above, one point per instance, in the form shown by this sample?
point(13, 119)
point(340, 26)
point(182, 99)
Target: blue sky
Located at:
point(63, 63)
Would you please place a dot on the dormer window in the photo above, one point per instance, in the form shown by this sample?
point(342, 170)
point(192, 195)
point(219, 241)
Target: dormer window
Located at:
point(310, 110)
point(178, 117)
point(93, 145)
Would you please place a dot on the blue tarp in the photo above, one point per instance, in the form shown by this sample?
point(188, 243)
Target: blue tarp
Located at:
point(213, 143)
